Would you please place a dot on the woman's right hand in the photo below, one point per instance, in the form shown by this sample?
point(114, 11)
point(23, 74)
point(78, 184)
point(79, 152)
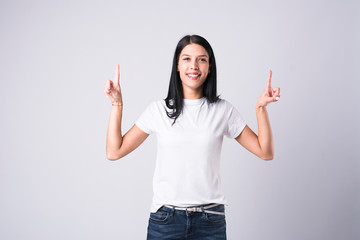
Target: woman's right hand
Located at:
point(112, 89)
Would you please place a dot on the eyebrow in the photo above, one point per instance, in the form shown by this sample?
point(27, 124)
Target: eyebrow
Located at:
point(197, 56)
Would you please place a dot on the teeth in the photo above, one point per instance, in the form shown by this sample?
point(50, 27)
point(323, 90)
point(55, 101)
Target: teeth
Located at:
point(193, 75)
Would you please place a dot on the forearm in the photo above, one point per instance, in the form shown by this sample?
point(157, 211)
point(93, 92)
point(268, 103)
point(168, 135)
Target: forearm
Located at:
point(114, 135)
point(265, 137)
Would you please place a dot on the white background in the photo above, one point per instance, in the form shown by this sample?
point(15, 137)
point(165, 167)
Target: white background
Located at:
point(55, 57)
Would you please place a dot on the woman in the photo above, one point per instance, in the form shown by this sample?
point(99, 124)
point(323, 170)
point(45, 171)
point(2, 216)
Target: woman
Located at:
point(189, 124)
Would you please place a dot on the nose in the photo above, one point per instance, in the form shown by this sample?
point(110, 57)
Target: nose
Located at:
point(194, 65)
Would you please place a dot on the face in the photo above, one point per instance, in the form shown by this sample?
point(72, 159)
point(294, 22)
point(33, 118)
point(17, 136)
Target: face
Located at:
point(193, 68)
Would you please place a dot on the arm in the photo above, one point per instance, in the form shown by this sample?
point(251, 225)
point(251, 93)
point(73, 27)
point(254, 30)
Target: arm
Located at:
point(261, 145)
point(117, 146)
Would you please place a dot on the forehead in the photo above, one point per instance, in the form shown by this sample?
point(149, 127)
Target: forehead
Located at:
point(194, 49)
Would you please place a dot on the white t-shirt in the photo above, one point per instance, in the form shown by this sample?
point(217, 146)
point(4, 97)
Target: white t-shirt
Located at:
point(187, 170)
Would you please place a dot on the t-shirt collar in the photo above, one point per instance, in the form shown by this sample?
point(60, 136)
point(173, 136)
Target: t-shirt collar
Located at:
point(194, 101)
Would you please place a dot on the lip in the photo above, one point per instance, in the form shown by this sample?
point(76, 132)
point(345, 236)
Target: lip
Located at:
point(193, 76)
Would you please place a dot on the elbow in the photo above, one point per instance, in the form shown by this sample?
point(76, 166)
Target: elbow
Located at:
point(267, 157)
point(113, 153)
point(112, 156)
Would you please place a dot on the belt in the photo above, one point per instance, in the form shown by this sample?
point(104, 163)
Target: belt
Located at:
point(198, 209)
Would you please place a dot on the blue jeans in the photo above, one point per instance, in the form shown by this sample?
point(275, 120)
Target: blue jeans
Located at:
point(168, 223)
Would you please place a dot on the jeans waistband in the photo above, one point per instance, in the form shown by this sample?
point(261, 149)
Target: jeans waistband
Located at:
point(203, 208)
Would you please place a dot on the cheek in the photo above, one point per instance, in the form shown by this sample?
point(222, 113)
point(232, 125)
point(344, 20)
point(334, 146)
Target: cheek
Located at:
point(182, 75)
point(180, 69)
point(206, 72)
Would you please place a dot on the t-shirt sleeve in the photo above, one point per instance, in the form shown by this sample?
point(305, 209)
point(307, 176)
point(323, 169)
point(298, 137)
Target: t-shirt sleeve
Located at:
point(147, 120)
point(235, 124)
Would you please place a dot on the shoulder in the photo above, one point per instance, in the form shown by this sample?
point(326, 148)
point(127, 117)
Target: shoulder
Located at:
point(160, 104)
point(224, 107)
point(156, 106)
point(222, 103)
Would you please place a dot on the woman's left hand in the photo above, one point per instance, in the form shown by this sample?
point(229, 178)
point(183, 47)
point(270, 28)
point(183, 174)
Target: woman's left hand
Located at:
point(269, 95)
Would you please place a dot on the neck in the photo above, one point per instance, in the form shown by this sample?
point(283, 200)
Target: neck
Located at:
point(188, 94)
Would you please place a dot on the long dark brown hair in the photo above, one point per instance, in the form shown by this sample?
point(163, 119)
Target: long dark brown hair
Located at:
point(175, 96)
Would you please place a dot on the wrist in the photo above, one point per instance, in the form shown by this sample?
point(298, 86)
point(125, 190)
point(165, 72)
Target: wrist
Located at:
point(116, 104)
point(259, 107)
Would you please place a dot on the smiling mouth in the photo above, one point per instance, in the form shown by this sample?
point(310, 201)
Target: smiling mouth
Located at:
point(193, 76)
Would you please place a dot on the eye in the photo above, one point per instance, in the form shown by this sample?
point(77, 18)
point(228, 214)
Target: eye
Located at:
point(202, 60)
point(186, 59)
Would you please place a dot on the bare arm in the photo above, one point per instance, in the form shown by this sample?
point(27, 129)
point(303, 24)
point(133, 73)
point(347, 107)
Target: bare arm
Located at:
point(117, 145)
point(261, 145)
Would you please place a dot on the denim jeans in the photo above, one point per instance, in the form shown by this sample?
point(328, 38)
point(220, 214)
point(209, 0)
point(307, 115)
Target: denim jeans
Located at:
point(168, 223)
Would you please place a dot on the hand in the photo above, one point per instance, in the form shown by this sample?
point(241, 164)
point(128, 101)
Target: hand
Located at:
point(269, 95)
point(112, 89)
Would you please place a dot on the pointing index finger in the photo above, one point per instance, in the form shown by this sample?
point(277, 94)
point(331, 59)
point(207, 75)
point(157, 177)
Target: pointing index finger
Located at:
point(268, 85)
point(117, 74)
